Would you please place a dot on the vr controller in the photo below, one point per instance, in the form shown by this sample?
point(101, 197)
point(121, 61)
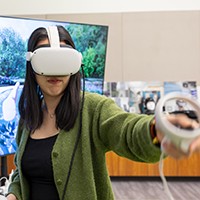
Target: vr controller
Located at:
point(180, 137)
point(55, 60)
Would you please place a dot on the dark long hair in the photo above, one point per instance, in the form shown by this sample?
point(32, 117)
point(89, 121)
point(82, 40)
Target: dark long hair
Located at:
point(31, 114)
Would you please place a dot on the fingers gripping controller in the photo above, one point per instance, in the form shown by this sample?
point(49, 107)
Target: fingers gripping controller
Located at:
point(181, 137)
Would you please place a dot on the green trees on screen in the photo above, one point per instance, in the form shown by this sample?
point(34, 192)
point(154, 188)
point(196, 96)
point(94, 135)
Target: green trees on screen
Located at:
point(12, 54)
point(91, 42)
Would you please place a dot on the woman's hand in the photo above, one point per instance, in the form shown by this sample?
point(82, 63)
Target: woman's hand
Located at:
point(11, 197)
point(184, 122)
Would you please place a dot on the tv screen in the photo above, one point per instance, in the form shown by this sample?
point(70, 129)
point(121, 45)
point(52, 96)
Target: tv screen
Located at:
point(89, 39)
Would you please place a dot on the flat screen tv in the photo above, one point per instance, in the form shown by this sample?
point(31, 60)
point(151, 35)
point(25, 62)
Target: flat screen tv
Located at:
point(89, 39)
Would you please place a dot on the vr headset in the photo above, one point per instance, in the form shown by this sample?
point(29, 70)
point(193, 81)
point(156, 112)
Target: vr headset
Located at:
point(55, 60)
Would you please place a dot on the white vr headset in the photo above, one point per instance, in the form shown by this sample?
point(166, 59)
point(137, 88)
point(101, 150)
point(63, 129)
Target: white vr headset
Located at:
point(55, 60)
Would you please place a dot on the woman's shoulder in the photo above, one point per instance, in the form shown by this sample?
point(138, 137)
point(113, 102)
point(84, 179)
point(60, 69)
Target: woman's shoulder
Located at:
point(95, 98)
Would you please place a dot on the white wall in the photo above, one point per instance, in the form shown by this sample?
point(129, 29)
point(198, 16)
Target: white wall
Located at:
point(39, 7)
point(148, 46)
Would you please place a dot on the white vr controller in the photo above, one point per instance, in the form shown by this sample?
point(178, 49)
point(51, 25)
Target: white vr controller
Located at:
point(182, 138)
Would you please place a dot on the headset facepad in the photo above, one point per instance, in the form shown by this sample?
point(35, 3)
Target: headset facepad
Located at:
point(53, 59)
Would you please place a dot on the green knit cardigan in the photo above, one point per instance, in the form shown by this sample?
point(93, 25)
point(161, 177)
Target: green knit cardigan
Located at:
point(105, 127)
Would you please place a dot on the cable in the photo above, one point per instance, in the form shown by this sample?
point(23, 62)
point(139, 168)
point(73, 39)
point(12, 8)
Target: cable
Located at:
point(4, 188)
point(77, 139)
point(164, 181)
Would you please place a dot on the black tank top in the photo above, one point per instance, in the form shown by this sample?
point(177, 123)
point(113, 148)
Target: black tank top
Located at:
point(37, 168)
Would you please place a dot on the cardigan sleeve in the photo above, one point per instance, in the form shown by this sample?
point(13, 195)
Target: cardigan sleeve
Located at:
point(127, 134)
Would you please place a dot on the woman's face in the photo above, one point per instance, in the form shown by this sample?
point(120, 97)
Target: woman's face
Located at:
point(52, 86)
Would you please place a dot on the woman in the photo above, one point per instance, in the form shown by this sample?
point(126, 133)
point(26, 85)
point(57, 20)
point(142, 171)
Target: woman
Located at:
point(64, 134)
